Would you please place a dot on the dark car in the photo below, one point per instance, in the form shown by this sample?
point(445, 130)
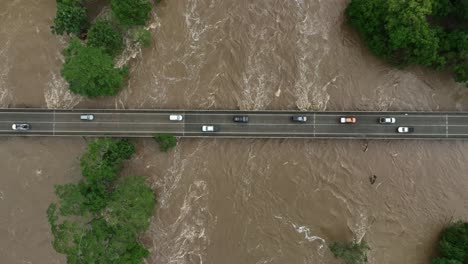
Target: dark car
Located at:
point(299, 119)
point(240, 119)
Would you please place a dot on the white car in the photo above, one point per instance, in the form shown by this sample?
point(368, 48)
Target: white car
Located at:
point(387, 120)
point(405, 130)
point(209, 128)
point(176, 117)
point(87, 117)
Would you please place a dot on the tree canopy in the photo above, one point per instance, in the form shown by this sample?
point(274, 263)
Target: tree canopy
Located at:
point(90, 71)
point(103, 34)
point(131, 12)
point(107, 229)
point(70, 18)
point(453, 244)
point(350, 252)
point(424, 32)
point(89, 67)
point(165, 141)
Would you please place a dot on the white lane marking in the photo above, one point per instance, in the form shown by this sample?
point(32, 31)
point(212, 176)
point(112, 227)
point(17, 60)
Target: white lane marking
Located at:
point(446, 125)
point(230, 113)
point(53, 125)
point(253, 137)
point(235, 124)
point(240, 133)
point(183, 132)
point(314, 124)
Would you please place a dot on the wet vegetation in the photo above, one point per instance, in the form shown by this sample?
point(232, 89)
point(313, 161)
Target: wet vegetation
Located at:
point(432, 33)
point(106, 36)
point(165, 141)
point(131, 12)
point(453, 244)
point(90, 71)
point(350, 252)
point(70, 18)
point(87, 69)
point(101, 218)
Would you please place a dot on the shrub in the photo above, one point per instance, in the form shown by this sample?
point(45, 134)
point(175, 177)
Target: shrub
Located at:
point(131, 12)
point(103, 35)
point(350, 252)
point(91, 72)
point(165, 141)
point(453, 245)
point(70, 18)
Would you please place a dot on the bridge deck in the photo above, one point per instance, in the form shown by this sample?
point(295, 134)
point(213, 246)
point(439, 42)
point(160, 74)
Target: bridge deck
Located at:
point(262, 124)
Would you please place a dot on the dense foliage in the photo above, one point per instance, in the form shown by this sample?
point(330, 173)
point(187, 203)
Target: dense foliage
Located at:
point(426, 32)
point(453, 245)
point(89, 67)
point(165, 141)
point(350, 252)
point(90, 71)
point(103, 34)
point(131, 12)
point(100, 219)
point(70, 17)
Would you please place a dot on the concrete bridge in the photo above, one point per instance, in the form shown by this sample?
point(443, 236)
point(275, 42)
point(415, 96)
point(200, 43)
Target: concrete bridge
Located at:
point(262, 124)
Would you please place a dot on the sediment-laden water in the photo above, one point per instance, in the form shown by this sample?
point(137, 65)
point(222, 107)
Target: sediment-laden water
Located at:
point(241, 201)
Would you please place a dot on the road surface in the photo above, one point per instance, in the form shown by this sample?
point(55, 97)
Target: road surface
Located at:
point(262, 124)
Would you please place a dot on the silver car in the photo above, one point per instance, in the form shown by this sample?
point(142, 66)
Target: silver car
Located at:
point(87, 117)
point(20, 127)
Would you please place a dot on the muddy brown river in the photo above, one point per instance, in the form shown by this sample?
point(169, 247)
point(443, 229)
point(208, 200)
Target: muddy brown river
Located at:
point(241, 201)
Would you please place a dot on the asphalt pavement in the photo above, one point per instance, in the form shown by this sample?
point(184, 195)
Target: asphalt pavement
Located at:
point(262, 124)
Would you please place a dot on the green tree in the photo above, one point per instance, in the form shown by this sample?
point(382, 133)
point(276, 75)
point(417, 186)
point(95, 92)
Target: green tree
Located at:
point(131, 192)
point(350, 252)
point(107, 231)
point(453, 244)
point(104, 35)
point(445, 261)
point(131, 12)
point(70, 18)
point(396, 30)
point(91, 72)
point(426, 32)
point(461, 73)
point(100, 165)
point(165, 141)
point(102, 161)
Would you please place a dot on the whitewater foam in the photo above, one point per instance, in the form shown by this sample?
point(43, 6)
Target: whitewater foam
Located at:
point(58, 95)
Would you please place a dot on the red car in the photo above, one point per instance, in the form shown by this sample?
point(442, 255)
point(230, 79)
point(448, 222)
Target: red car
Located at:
point(348, 120)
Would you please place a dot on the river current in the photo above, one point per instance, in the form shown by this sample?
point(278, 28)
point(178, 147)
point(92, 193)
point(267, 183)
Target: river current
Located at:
point(241, 201)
